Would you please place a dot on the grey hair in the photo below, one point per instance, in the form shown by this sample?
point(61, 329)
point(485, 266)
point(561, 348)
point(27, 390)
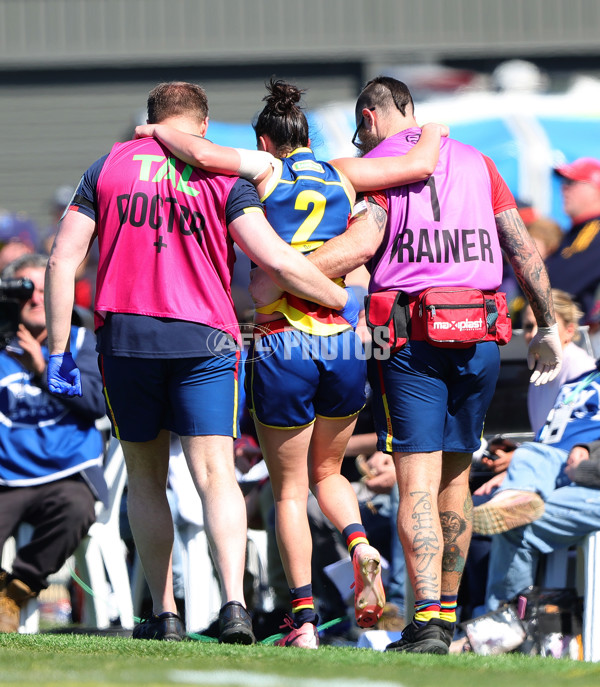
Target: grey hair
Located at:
point(23, 262)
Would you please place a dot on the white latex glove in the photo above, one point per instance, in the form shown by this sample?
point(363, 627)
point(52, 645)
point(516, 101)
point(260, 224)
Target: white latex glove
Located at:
point(544, 355)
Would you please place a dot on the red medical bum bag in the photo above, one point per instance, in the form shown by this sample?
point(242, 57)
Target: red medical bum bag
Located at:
point(449, 317)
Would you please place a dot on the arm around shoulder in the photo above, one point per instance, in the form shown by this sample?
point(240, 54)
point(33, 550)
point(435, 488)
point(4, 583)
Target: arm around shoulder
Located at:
point(356, 246)
point(287, 267)
point(369, 174)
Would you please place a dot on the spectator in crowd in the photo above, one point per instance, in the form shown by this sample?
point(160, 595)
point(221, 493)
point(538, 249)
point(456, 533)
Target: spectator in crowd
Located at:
point(540, 399)
point(445, 387)
point(572, 511)
point(575, 359)
point(303, 422)
point(539, 467)
point(18, 235)
point(547, 235)
point(51, 466)
point(167, 335)
point(575, 267)
point(491, 464)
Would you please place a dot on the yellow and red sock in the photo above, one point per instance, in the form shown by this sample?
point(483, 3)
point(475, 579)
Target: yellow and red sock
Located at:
point(354, 535)
point(448, 608)
point(303, 605)
point(426, 610)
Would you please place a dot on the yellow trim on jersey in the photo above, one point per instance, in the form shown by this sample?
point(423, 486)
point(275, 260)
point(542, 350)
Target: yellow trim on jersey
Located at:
point(301, 149)
point(274, 179)
point(300, 320)
point(292, 182)
point(342, 417)
point(285, 429)
point(236, 401)
point(252, 209)
point(111, 413)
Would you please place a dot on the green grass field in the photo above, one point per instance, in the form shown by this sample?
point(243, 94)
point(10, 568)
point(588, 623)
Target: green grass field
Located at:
point(80, 660)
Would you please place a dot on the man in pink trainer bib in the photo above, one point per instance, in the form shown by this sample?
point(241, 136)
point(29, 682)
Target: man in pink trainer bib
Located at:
point(167, 336)
point(433, 249)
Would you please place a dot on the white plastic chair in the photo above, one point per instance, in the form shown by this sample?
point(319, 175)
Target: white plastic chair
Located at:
point(202, 589)
point(201, 584)
point(101, 558)
point(556, 577)
point(256, 565)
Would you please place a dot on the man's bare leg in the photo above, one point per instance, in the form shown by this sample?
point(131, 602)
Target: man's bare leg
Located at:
point(210, 460)
point(419, 526)
point(150, 517)
point(455, 508)
point(434, 524)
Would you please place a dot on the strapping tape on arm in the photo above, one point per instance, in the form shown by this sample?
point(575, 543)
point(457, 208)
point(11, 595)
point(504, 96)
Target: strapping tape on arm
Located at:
point(253, 163)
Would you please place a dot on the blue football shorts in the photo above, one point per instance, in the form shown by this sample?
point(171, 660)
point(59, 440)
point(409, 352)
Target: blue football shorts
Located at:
point(428, 399)
point(188, 396)
point(291, 377)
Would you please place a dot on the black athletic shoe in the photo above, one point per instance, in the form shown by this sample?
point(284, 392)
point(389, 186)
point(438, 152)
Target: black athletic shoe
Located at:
point(166, 626)
point(433, 638)
point(235, 624)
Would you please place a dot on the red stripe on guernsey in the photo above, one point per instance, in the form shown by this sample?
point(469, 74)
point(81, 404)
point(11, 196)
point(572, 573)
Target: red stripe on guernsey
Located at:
point(306, 602)
point(353, 538)
point(314, 311)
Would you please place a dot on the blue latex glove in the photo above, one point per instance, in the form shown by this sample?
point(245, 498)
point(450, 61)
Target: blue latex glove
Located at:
point(351, 310)
point(64, 377)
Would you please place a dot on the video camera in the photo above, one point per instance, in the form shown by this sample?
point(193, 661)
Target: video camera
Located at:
point(13, 293)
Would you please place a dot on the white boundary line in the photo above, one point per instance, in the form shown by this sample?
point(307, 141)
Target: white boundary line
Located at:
point(247, 679)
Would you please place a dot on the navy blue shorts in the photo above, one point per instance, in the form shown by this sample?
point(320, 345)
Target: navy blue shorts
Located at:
point(188, 396)
point(291, 377)
point(428, 399)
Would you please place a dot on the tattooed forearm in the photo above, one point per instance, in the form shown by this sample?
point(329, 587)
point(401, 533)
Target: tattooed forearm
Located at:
point(527, 264)
point(357, 245)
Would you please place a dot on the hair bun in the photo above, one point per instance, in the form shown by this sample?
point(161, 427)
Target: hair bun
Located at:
point(282, 97)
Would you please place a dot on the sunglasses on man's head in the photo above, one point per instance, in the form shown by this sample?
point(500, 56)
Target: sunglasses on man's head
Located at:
point(570, 182)
point(358, 128)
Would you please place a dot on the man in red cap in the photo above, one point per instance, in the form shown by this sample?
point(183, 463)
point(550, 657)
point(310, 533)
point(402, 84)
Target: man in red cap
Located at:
point(575, 267)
